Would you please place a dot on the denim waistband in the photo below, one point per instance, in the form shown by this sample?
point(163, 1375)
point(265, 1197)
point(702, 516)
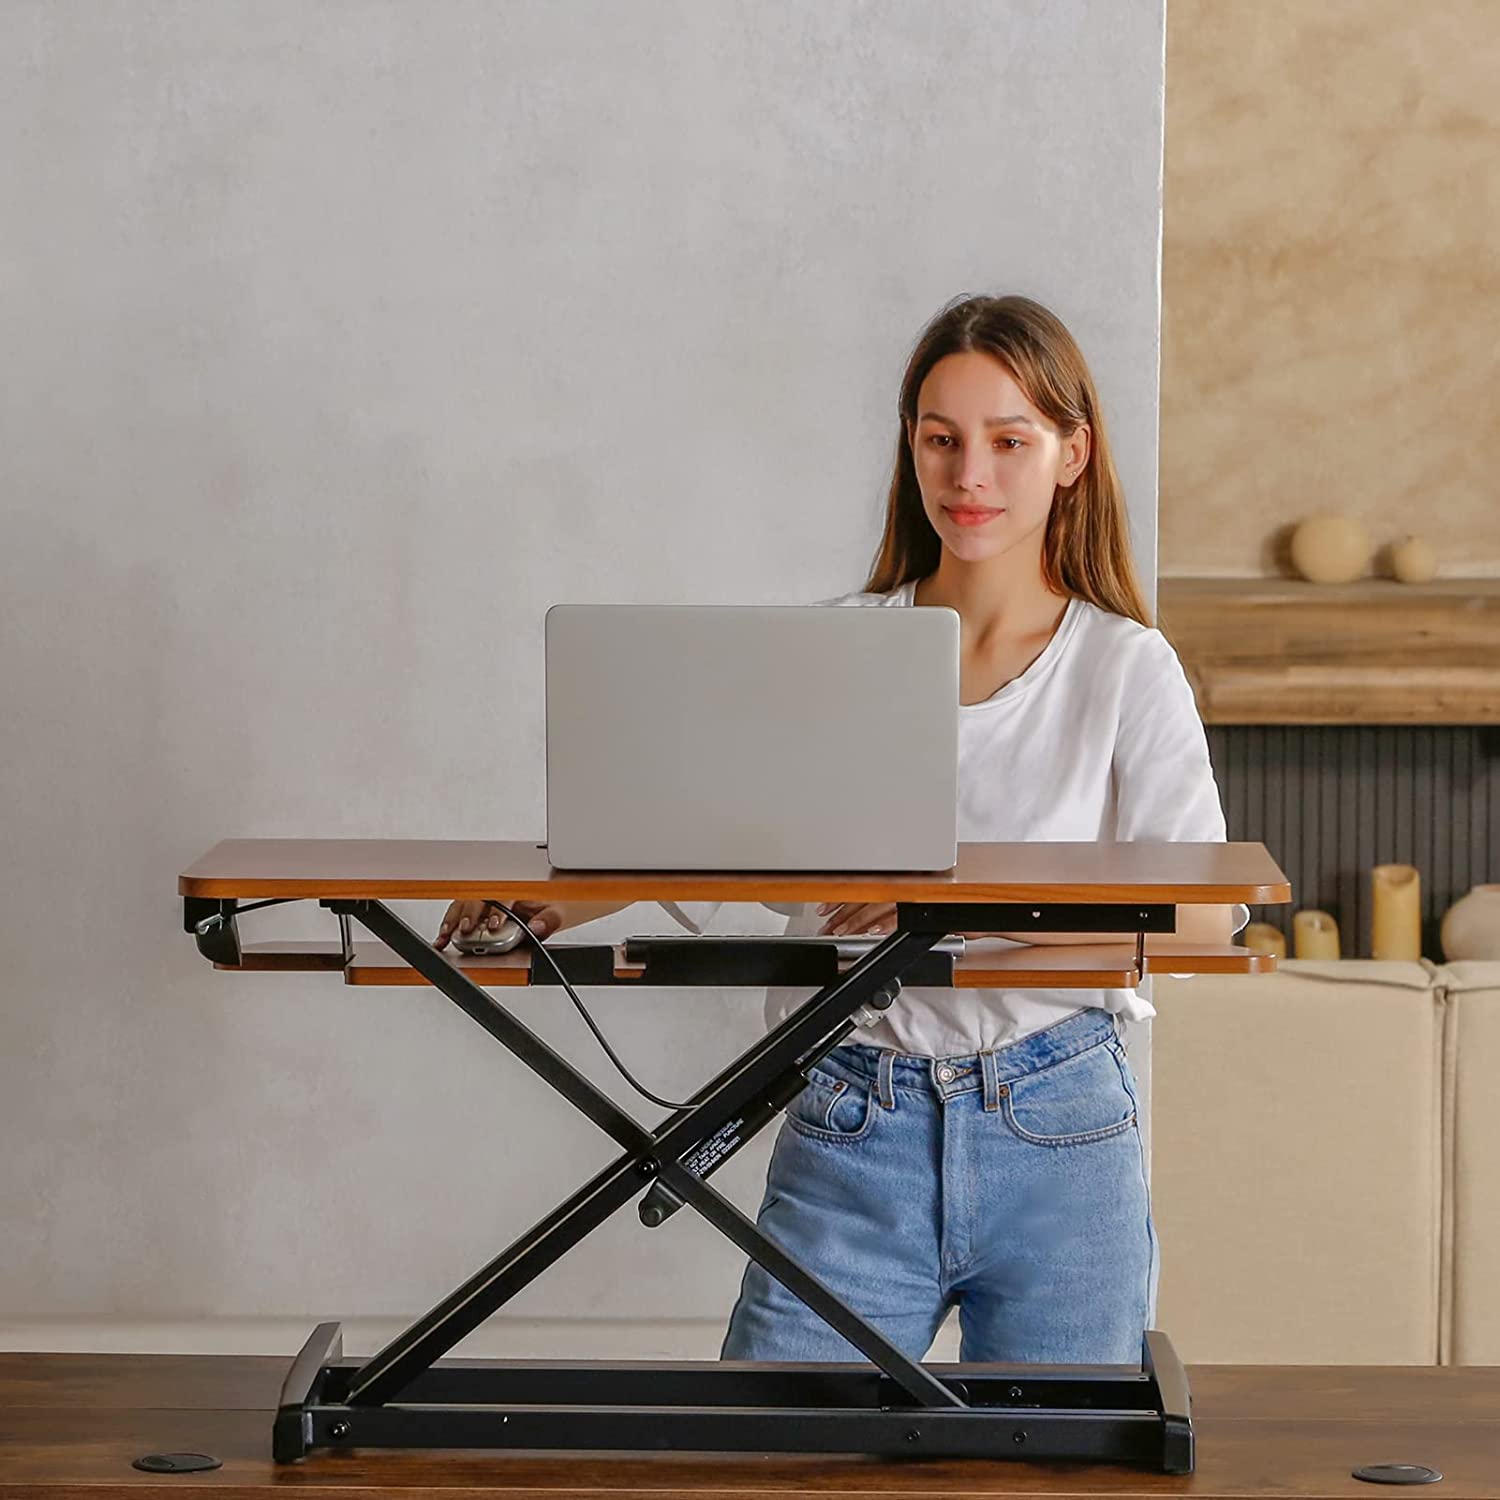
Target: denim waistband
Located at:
point(946, 1076)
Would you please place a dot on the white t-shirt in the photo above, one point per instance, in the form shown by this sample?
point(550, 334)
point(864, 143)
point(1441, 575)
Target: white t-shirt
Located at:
point(1098, 739)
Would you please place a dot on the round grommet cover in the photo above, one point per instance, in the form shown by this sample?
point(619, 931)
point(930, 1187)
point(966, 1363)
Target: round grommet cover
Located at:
point(1398, 1474)
point(176, 1463)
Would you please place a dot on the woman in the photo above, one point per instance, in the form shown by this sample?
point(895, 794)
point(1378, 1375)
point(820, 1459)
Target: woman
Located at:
point(981, 1148)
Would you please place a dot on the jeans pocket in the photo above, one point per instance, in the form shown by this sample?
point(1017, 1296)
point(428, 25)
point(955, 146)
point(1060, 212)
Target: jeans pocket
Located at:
point(1076, 1102)
point(832, 1108)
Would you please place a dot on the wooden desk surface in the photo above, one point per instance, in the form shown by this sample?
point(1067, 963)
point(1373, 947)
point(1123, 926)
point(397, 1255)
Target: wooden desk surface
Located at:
point(445, 869)
point(70, 1425)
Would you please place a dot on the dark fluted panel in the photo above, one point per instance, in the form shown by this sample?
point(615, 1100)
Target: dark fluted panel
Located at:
point(1332, 802)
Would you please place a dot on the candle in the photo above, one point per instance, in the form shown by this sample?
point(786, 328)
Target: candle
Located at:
point(1315, 935)
point(1397, 928)
point(1262, 937)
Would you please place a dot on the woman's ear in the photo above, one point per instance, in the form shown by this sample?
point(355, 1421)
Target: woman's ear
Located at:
point(1075, 455)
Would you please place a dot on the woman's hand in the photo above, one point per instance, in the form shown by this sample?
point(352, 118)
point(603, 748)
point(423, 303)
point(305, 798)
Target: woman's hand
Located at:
point(848, 919)
point(542, 917)
point(462, 917)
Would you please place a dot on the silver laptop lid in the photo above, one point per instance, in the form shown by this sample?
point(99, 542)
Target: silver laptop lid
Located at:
point(751, 737)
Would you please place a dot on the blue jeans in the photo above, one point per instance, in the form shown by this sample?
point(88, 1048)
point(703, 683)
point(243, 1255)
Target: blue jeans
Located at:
point(1011, 1183)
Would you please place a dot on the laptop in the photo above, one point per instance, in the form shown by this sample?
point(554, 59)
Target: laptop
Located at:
point(752, 737)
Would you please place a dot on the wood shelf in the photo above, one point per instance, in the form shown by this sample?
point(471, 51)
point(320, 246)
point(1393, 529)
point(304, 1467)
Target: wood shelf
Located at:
point(987, 963)
point(1282, 651)
point(314, 956)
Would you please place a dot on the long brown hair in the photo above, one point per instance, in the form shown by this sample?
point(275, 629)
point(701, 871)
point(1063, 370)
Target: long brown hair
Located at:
point(1086, 546)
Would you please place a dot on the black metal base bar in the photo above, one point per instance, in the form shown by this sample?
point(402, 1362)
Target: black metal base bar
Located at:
point(1100, 1413)
point(303, 1391)
point(1098, 1435)
point(591, 1382)
point(1160, 1364)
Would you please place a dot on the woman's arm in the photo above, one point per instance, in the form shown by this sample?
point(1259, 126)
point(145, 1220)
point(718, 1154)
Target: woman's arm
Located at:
point(1162, 783)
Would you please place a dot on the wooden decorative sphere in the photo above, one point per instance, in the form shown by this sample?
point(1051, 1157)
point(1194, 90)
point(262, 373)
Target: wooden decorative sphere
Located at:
point(1413, 560)
point(1330, 549)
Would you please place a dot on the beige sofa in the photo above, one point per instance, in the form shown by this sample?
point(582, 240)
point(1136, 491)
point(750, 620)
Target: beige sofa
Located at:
point(1326, 1164)
point(1471, 1189)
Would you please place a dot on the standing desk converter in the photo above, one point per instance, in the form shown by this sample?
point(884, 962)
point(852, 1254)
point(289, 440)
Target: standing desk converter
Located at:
point(407, 1396)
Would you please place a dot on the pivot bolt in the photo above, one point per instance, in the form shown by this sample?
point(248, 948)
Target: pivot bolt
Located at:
point(339, 1430)
point(1018, 1437)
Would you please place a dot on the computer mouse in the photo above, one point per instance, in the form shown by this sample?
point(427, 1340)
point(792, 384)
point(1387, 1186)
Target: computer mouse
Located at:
point(479, 941)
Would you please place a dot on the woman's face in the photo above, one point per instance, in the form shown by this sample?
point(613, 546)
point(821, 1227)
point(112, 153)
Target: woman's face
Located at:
point(987, 461)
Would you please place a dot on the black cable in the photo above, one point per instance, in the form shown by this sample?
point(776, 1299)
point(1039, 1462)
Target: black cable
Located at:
point(256, 905)
point(599, 1036)
point(219, 916)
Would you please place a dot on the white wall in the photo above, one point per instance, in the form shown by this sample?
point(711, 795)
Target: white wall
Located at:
point(342, 339)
